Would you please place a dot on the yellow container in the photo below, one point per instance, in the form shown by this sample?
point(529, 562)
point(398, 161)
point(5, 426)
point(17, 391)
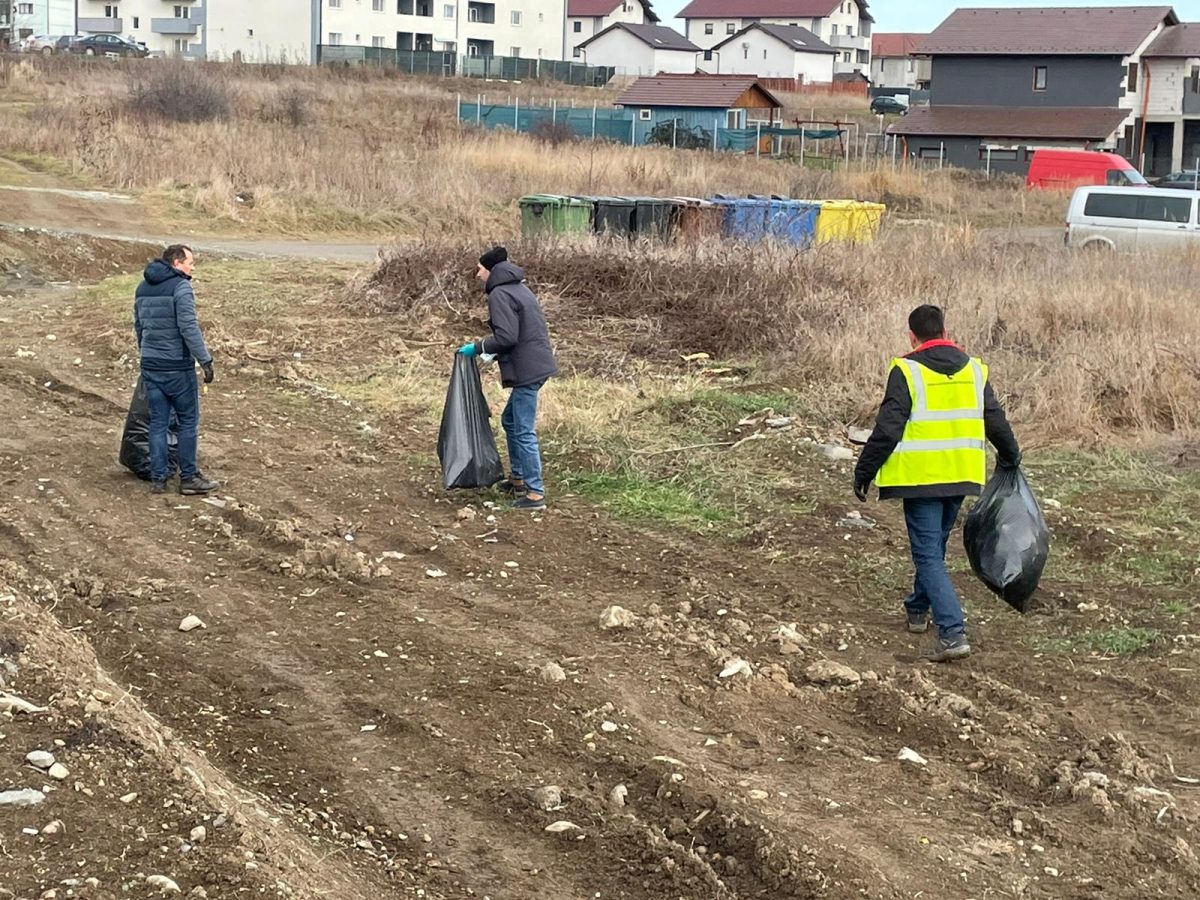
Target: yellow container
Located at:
point(849, 221)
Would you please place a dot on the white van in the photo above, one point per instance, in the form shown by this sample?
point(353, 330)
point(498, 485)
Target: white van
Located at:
point(1132, 218)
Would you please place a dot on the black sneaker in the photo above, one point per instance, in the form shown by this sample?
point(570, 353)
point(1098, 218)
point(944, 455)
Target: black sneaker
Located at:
point(198, 485)
point(948, 649)
point(507, 486)
point(158, 487)
point(530, 505)
point(918, 623)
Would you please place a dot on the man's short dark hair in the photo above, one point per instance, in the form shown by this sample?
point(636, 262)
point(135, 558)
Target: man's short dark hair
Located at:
point(927, 322)
point(176, 253)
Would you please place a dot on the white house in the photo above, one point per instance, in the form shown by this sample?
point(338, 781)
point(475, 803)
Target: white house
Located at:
point(587, 18)
point(42, 17)
point(844, 25)
point(895, 64)
point(641, 50)
point(774, 51)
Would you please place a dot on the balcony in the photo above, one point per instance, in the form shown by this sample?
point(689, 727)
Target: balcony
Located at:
point(101, 25)
point(846, 42)
point(484, 13)
point(174, 26)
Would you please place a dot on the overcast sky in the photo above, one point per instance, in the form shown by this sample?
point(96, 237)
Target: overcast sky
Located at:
point(925, 15)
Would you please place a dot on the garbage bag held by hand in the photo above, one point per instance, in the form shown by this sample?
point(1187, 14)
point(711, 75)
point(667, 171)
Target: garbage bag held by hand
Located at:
point(466, 445)
point(135, 440)
point(1006, 538)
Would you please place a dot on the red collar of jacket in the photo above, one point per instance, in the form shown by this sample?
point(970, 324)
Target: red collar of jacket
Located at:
point(929, 345)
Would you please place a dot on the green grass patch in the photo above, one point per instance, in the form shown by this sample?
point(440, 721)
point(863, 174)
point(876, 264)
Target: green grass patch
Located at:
point(1177, 608)
point(1109, 642)
point(637, 498)
point(44, 165)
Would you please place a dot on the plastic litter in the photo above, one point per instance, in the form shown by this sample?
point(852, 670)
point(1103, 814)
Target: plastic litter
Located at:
point(1006, 538)
point(135, 440)
point(466, 444)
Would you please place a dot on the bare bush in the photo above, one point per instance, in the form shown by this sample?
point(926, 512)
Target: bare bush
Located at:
point(290, 106)
point(553, 133)
point(179, 92)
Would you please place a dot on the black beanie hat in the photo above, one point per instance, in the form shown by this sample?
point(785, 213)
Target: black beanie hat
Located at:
point(493, 258)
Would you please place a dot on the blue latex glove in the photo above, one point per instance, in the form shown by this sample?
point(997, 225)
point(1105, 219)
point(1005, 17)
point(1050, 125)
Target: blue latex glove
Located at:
point(467, 350)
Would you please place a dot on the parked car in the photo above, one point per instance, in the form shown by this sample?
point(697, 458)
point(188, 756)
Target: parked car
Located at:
point(39, 43)
point(1186, 181)
point(63, 44)
point(1070, 169)
point(1132, 218)
point(888, 106)
point(107, 45)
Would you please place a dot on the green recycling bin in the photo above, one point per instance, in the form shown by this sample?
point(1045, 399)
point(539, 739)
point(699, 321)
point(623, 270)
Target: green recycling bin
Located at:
point(543, 214)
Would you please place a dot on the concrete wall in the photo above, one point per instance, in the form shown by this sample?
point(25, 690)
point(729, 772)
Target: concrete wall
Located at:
point(1008, 81)
point(769, 58)
point(263, 31)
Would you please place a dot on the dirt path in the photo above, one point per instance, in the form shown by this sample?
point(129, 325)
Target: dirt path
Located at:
point(372, 673)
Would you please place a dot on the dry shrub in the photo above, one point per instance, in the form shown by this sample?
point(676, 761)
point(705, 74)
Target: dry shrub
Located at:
point(179, 92)
point(553, 133)
point(290, 106)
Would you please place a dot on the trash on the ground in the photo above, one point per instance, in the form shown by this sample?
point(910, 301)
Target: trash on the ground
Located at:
point(466, 445)
point(13, 703)
point(616, 617)
point(191, 623)
point(735, 666)
point(1006, 538)
point(561, 826)
point(908, 755)
point(858, 436)
point(135, 440)
point(694, 357)
point(435, 573)
point(21, 797)
point(836, 453)
point(855, 519)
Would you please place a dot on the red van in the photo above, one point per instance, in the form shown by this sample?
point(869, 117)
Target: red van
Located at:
point(1065, 170)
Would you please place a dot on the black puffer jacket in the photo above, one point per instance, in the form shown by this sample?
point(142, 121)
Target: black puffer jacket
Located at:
point(520, 339)
point(893, 417)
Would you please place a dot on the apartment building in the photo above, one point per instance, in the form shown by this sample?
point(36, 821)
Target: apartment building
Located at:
point(166, 27)
point(587, 18)
point(39, 17)
point(844, 25)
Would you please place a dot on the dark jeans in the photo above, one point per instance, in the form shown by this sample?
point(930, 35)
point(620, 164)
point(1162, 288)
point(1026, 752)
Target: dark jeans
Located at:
point(930, 522)
point(520, 420)
point(177, 392)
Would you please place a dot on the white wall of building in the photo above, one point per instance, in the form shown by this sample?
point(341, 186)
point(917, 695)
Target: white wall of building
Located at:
point(580, 29)
point(630, 56)
point(757, 53)
point(43, 17)
point(261, 31)
point(899, 71)
point(137, 19)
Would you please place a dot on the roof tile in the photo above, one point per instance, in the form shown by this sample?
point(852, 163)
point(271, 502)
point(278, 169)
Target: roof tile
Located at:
point(1107, 31)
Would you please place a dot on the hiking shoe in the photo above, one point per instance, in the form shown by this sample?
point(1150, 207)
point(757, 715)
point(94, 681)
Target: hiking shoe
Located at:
point(507, 486)
point(158, 487)
point(947, 649)
point(527, 504)
point(918, 623)
point(198, 485)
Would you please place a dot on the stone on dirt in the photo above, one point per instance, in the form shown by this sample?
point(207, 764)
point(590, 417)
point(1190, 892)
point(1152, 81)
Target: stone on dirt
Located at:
point(198, 835)
point(191, 623)
point(163, 883)
point(552, 673)
point(736, 666)
point(909, 755)
point(617, 617)
point(54, 827)
point(548, 797)
point(21, 797)
point(39, 759)
point(58, 772)
point(828, 672)
point(618, 795)
point(836, 453)
point(14, 704)
point(561, 826)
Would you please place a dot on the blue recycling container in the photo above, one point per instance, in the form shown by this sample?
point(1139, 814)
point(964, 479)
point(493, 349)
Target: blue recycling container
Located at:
point(745, 218)
point(793, 221)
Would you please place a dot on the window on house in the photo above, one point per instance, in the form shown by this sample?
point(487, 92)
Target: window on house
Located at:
point(110, 12)
point(1196, 79)
point(1131, 79)
point(181, 45)
point(745, 53)
point(249, 32)
point(735, 118)
point(377, 6)
point(998, 155)
point(849, 31)
point(514, 51)
point(764, 54)
point(335, 37)
point(137, 22)
point(25, 9)
point(578, 54)
point(1039, 78)
point(730, 28)
point(335, 4)
point(577, 27)
point(644, 115)
point(929, 153)
point(846, 56)
point(516, 17)
point(377, 41)
point(448, 11)
point(181, 12)
point(404, 7)
point(833, 30)
point(708, 26)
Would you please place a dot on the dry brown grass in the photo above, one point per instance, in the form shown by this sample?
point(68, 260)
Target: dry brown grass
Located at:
point(384, 154)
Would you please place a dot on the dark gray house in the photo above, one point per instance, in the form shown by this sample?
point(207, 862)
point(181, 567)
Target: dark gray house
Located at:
point(1009, 81)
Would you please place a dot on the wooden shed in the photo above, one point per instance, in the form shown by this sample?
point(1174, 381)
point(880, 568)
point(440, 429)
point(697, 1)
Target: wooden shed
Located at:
point(701, 102)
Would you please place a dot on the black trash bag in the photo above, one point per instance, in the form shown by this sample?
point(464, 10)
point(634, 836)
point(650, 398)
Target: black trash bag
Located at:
point(1006, 538)
point(466, 445)
point(135, 440)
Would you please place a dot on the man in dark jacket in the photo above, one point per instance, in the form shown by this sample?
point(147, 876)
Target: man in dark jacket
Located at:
point(170, 345)
point(928, 450)
point(521, 342)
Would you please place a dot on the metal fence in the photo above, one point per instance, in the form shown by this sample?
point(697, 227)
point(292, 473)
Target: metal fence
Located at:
point(447, 64)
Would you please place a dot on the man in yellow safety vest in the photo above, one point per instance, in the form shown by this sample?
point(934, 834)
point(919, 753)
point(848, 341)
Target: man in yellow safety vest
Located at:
point(928, 449)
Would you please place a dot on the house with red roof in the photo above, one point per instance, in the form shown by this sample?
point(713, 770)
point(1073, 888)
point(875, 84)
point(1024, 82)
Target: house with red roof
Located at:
point(844, 25)
point(895, 63)
point(587, 18)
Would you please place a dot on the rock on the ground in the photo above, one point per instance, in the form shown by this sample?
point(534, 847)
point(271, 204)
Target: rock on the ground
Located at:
point(908, 755)
point(617, 617)
point(858, 435)
point(58, 772)
point(836, 453)
point(552, 673)
point(735, 666)
point(855, 519)
point(561, 826)
point(548, 797)
point(618, 795)
point(198, 835)
point(39, 759)
point(14, 704)
point(21, 797)
point(826, 671)
point(54, 827)
point(163, 883)
point(191, 623)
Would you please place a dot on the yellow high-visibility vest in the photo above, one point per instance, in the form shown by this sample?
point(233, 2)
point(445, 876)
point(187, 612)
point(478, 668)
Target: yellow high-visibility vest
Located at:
point(944, 441)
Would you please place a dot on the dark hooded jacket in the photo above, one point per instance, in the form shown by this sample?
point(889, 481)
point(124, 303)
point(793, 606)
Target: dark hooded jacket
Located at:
point(947, 359)
point(520, 339)
point(164, 316)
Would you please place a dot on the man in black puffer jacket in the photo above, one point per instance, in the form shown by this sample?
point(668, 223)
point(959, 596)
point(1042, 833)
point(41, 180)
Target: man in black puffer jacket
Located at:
point(170, 345)
point(520, 341)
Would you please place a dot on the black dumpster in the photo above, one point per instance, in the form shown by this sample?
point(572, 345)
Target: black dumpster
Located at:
point(615, 216)
point(656, 218)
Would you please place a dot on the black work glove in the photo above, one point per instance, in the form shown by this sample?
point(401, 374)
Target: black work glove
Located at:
point(1004, 463)
point(208, 372)
point(860, 490)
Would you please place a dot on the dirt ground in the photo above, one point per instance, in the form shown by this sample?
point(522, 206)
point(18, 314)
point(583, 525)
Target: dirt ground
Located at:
point(389, 680)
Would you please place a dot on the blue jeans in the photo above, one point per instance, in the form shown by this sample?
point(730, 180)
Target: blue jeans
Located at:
point(177, 392)
point(519, 420)
point(930, 521)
